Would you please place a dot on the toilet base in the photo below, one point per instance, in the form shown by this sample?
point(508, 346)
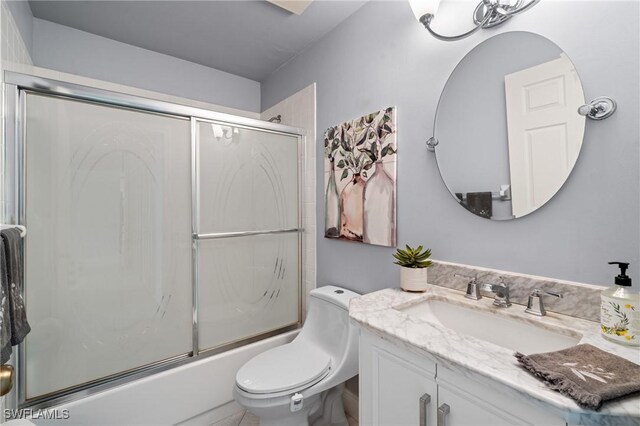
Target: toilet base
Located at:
point(325, 409)
point(332, 413)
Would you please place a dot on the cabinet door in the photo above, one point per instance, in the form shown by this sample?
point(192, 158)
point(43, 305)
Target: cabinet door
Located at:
point(466, 411)
point(480, 403)
point(396, 388)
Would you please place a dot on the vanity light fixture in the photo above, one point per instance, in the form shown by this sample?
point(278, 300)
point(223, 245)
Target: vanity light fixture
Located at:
point(487, 14)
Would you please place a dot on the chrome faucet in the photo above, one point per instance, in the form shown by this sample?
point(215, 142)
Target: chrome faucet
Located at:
point(501, 290)
point(535, 306)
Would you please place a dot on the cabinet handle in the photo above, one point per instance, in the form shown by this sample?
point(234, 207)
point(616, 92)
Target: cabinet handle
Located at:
point(443, 412)
point(425, 400)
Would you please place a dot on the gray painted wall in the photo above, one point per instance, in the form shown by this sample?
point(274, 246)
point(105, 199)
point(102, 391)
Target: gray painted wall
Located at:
point(66, 49)
point(21, 12)
point(381, 56)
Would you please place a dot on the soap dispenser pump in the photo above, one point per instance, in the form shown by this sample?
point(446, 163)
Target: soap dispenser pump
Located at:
point(620, 310)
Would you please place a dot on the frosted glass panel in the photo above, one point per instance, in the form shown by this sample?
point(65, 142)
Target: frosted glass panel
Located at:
point(248, 179)
point(246, 286)
point(108, 253)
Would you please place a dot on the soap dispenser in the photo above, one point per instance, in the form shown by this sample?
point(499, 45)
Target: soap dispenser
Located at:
point(620, 310)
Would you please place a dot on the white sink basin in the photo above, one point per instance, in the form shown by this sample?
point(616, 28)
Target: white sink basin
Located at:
point(506, 332)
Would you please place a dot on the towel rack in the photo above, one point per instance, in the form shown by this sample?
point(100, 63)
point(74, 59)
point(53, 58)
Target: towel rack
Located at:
point(23, 230)
point(503, 195)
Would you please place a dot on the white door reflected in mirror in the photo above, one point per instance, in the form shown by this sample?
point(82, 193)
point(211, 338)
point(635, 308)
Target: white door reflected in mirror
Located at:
point(544, 131)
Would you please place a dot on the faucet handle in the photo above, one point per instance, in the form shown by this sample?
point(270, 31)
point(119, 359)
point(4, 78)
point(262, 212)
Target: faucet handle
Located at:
point(473, 287)
point(535, 305)
point(539, 292)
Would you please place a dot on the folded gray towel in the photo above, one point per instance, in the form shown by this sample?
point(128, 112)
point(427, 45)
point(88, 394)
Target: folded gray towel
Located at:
point(585, 373)
point(18, 324)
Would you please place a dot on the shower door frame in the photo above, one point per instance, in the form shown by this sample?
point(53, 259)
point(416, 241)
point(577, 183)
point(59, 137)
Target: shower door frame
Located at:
point(16, 88)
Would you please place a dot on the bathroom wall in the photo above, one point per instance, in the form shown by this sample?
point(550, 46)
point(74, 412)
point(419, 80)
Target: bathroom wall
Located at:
point(13, 48)
point(66, 49)
point(381, 56)
point(16, 32)
point(22, 21)
point(299, 110)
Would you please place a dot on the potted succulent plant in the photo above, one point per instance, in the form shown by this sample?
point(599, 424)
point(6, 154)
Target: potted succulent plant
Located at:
point(414, 264)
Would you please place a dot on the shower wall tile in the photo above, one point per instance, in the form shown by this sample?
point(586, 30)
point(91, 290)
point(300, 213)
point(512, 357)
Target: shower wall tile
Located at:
point(299, 110)
point(13, 46)
point(12, 50)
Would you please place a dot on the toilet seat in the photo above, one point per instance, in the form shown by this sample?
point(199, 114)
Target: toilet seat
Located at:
point(291, 368)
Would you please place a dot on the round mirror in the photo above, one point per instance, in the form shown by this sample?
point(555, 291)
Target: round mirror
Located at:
point(507, 126)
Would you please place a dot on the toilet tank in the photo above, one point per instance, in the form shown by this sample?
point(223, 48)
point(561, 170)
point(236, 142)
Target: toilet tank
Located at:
point(327, 324)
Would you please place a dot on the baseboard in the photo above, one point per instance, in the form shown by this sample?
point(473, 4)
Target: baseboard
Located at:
point(350, 401)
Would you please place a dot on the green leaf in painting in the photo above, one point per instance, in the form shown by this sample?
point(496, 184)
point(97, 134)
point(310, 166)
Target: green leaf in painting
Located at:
point(362, 140)
point(340, 164)
point(345, 173)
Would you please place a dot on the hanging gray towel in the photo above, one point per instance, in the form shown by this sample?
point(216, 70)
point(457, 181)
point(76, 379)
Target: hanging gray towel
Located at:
point(12, 242)
point(5, 323)
point(585, 373)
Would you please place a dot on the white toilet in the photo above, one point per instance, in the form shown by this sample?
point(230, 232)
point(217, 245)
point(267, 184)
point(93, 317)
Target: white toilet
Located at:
point(301, 383)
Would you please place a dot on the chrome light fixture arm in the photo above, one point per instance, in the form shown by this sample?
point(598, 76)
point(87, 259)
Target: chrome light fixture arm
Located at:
point(488, 13)
point(426, 21)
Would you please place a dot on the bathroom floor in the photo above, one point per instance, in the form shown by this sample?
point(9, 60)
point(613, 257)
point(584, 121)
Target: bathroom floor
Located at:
point(244, 418)
point(241, 418)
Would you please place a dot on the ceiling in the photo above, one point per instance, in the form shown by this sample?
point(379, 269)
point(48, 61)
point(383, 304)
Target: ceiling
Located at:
point(246, 38)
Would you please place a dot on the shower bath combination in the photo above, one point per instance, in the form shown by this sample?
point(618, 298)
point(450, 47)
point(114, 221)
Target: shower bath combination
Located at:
point(159, 234)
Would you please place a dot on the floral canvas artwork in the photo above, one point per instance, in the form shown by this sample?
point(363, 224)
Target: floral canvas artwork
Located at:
point(360, 179)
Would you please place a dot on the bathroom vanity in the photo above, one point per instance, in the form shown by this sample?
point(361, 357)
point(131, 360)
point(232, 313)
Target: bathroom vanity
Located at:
point(437, 358)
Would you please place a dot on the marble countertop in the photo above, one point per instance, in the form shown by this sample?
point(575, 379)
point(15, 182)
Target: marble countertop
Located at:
point(378, 313)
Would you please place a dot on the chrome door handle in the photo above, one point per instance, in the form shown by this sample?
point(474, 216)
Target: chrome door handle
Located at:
point(425, 400)
point(443, 412)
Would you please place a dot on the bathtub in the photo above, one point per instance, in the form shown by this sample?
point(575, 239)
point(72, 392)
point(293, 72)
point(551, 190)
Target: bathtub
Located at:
point(199, 393)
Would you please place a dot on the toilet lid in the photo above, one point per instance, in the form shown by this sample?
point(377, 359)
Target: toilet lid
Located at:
point(289, 367)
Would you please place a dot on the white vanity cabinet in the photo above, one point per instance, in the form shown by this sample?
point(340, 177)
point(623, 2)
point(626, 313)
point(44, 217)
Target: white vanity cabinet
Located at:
point(399, 387)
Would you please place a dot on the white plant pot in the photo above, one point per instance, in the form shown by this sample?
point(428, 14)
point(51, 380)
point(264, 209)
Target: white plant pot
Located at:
point(413, 279)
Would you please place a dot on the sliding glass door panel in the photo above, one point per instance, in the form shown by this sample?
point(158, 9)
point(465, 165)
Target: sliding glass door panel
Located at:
point(108, 252)
point(248, 179)
point(246, 286)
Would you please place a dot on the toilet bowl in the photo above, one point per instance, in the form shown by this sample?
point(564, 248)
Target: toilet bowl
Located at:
point(301, 383)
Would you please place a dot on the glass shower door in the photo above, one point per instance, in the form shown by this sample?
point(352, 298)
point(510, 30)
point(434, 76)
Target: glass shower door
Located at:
point(248, 244)
point(108, 252)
